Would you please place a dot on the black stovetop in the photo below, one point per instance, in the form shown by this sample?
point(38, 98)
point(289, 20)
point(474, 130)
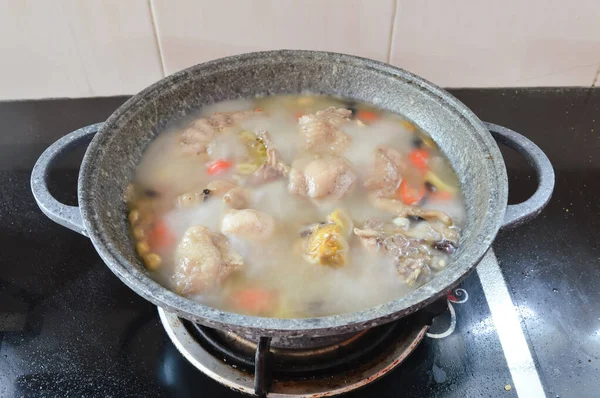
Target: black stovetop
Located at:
point(70, 328)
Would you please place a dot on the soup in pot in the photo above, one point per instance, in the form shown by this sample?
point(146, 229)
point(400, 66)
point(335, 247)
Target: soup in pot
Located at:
point(294, 206)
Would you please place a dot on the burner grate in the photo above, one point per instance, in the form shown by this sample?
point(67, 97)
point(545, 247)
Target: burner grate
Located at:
point(293, 363)
point(257, 367)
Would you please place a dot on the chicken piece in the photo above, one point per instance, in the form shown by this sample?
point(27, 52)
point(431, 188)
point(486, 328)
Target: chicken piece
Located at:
point(433, 231)
point(370, 239)
point(408, 247)
point(223, 120)
point(273, 167)
point(321, 132)
point(414, 270)
point(424, 231)
point(387, 171)
point(323, 178)
point(375, 235)
point(237, 198)
point(403, 210)
point(409, 255)
point(203, 260)
point(398, 245)
point(198, 135)
point(449, 232)
point(371, 235)
point(327, 243)
point(249, 224)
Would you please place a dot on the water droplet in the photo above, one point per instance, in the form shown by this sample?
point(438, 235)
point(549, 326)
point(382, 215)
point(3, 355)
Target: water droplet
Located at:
point(439, 375)
point(554, 290)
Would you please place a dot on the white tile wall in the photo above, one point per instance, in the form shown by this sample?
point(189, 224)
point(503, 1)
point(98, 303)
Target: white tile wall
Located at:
point(194, 31)
point(483, 43)
point(73, 48)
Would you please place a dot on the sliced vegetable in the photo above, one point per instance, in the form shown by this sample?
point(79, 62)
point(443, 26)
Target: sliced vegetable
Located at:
point(298, 115)
point(160, 236)
point(218, 166)
point(408, 125)
point(366, 116)
point(419, 158)
point(246, 168)
point(439, 184)
point(409, 193)
point(257, 153)
point(255, 301)
point(428, 142)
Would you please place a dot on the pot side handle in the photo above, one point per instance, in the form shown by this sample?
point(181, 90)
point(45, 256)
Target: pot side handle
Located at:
point(65, 215)
point(523, 212)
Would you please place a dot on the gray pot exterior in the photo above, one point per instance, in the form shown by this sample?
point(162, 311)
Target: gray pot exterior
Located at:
point(116, 149)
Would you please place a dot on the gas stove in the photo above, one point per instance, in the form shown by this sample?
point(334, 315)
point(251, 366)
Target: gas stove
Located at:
point(256, 368)
point(525, 324)
point(347, 363)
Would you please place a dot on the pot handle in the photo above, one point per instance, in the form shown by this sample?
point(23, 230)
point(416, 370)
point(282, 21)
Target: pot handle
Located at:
point(523, 212)
point(65, 215)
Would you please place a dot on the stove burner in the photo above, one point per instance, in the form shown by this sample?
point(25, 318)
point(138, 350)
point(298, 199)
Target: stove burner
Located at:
point(328, 370)
point(293, 363)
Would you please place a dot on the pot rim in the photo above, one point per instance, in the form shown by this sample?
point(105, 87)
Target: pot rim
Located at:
point(139, 281)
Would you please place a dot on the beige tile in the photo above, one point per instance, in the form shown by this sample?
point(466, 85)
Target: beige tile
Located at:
point(194, 31)
point(71, 48)
point(474, 43)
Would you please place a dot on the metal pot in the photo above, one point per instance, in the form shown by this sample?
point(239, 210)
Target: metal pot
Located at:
point(119, 143)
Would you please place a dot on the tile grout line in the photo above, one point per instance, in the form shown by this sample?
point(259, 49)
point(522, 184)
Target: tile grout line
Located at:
point(392, 31)
point(508, 327)
point(157, 37)
point(596, 77)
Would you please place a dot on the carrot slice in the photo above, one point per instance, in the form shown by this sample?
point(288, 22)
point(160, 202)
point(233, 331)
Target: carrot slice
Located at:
point(410, 194)
point(160, 236)
point(218, 166)
point(298, 115)
point(254, 300)
point(366, 116)
point(419, 158)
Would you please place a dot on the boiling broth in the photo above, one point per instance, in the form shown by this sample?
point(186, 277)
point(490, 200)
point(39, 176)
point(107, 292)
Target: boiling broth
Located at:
point(294, 206)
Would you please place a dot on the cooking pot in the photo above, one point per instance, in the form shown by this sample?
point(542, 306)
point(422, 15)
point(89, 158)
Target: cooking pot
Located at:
point(119, 142)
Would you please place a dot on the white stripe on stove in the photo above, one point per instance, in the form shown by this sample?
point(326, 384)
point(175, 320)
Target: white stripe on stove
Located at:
point(506, 320)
